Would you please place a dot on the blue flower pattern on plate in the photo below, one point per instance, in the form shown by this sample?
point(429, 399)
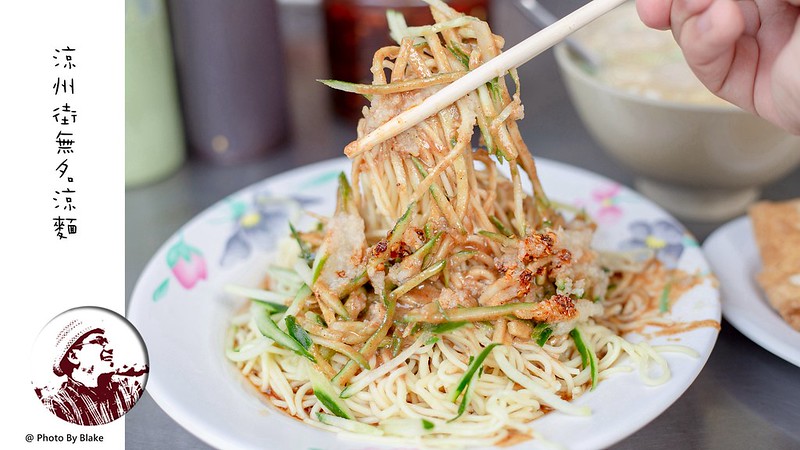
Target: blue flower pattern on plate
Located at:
point(259, 224)
point(663, 237)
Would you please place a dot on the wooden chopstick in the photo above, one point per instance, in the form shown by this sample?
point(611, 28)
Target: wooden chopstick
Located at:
point(496, 67)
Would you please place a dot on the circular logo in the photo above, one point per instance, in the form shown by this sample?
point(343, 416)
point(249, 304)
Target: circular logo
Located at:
point(90, 366)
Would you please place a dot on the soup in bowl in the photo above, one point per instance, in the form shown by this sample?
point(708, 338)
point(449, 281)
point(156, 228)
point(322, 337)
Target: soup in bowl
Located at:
point(697, 155)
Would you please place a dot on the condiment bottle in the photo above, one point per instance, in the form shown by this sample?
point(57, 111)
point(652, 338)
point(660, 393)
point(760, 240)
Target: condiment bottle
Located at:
point(357, 28)
point(154, 141)
point(231, 76)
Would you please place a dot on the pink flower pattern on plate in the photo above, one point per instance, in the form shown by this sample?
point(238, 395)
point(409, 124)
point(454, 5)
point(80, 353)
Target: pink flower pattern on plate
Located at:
point(607, 199)
point(187, 264)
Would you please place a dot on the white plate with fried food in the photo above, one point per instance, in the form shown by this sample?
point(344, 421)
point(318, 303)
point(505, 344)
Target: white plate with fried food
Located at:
point(734, 256)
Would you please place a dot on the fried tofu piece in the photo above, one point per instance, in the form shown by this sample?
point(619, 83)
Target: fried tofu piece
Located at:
point(776, 226)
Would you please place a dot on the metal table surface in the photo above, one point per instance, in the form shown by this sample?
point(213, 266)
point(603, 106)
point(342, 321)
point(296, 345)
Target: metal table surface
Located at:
point(745, 397)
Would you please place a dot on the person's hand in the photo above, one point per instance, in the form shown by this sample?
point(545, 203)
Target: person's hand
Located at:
point(747, 51)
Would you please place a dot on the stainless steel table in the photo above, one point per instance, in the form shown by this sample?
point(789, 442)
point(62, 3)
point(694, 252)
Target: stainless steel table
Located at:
point(744, 398)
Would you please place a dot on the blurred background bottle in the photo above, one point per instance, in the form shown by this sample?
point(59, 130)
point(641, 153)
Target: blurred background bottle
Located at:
point(357, 28)
point(230, 72)
point(154, 141)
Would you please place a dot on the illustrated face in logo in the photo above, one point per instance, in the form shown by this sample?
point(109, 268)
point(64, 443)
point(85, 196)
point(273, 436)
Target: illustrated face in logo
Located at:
point(79, 376)
point(93, 354)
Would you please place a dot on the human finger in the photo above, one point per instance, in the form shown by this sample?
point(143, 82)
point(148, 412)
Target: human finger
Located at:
point(655, 13)
point(786, 83)
point(682, 11)
point(711, 45)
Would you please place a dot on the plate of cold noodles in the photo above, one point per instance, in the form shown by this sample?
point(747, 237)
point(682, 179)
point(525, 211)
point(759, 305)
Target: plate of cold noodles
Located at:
point(427, 292)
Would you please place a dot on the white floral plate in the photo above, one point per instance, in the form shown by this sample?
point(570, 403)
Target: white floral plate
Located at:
point(732, 252)
point(180, 309)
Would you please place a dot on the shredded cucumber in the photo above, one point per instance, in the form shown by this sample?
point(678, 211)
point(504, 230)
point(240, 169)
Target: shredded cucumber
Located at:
point(270, 329)
point(588, 357)
point(541, 333)
point(471, 369)
point(274, 301)
point(327, 394)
